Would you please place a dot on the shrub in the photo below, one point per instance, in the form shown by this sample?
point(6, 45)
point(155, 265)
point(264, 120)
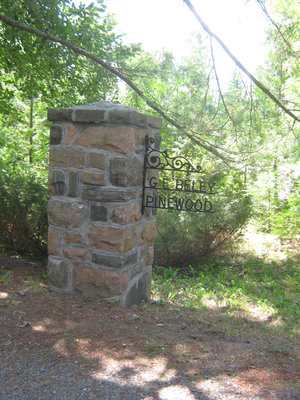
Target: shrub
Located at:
point(23, 210)
point(185, 238)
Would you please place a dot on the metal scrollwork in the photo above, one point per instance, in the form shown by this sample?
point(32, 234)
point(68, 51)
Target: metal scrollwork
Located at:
point(182, 191)
point(156, 159)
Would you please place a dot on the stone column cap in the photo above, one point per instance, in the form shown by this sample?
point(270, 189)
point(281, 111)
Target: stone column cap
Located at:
point(104, 111)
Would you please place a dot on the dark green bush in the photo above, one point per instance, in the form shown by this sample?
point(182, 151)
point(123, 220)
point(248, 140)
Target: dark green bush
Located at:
point(23, 211)
point(185, 238)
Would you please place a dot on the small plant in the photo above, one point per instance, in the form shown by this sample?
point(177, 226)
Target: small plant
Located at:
point(36, 283)
point(5, 276)
point(154, 347)
point(6, 303)
point(145, 307)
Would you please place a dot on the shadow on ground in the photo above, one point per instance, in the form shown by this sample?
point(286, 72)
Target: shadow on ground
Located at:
point(57, 346)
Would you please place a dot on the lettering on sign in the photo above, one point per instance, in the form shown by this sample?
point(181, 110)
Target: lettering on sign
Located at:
point(178, 186)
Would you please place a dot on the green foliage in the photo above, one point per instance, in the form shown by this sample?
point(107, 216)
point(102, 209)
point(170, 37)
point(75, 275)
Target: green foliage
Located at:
point(276, 197)
point(23, 208)
point(186, 238)
point(242, 123)
point(252, 286)
point(5, 276)
point(43, 68)
point(286, 220)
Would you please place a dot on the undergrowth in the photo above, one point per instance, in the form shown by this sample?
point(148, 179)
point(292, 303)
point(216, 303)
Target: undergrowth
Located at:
point(265, 291)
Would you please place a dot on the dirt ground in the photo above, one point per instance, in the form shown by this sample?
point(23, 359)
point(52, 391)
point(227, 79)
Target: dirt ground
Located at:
point(155, 351)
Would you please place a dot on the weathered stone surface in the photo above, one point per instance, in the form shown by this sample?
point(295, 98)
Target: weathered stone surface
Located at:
point(111, 239)
point(72, 130)
point(93, 178)
point(138, 119)
point(139, 291)
point(75, 253)
point(155, 122)
point(140, 136)
point(88, 115)
point(56, 182)
point(95, 282)
point(66, 214)
point(149, 256)
point(72, 237)
point(114, 261)
point(127, 214)
point(66, 157)
point(121, 115)
point(157, 141)
point(58, 274)
point(55, 114)
point(96, 193)
point(148, 233)
point(126, 171)
point(135, 270)
point(104, 111)
point(98, 213)
point(96, 160)
point(55, 135)
point(118, 139)
point(73, 184)
point(53, 241)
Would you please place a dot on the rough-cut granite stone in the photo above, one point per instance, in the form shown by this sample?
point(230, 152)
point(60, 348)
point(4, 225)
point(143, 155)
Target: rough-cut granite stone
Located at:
point(125, 171)
point(58, 272)
point(112, 239)
point(66, 214)
point(127, 214)
point(93, 178)
point(53, 241)
point(75, 253)
point(66, 157)
point(72, 237)
point(114, 261)
point(117, 139)
point(56, 182)
point(96, 160)
point(148, 233)
point(55, 135)
point(95, 282)
point(99, 242)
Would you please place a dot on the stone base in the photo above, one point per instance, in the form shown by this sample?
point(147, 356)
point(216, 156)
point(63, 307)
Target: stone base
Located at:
point(139, 290)
point(113, 286)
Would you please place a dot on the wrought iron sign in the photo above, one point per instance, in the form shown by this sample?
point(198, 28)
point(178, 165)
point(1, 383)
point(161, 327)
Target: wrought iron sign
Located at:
point(177, 189)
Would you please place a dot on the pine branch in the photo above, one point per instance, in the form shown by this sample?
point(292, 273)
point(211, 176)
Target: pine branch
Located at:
point(263, 7)
point(237, 62)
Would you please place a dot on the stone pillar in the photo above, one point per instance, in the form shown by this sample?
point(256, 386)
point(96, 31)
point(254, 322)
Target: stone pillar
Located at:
point(99, 243)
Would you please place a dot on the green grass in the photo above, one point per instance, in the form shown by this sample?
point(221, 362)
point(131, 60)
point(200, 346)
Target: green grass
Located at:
point(262, 290)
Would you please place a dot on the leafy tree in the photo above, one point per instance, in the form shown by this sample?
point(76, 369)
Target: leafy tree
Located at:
point(277, 188)
point(36, 75)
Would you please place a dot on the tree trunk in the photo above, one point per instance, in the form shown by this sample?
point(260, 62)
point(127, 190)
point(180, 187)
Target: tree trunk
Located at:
point(31, 130)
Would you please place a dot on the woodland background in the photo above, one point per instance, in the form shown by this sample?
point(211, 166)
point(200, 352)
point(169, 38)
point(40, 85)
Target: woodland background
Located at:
point(247, 143)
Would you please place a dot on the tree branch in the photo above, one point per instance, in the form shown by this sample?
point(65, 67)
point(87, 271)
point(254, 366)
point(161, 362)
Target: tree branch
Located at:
point(263, 7)
point(201, 142)
point(237, 62)
point(219, 86)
